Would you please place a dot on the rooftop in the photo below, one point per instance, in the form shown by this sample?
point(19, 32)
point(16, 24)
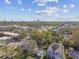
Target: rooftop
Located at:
point(4, 38)
point(10, 33)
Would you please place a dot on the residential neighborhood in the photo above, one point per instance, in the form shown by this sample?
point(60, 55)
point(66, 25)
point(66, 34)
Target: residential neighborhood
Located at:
point(39, 42)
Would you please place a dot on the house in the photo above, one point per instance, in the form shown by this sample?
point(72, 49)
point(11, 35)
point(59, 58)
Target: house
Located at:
point(56, 29)
point(67, 37)
point(4, 40)
point(11, 34)
point(26, 28)
point(6, 28)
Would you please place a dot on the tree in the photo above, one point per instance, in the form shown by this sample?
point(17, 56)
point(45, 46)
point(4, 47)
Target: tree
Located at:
point(23, 34)
point(29, 57)
point(12, 52)
point(56, 37)
point(75, 37)
point(1, 34)
point(41, 37)
point(29, 47)
point(47, 37)
point(67, 44)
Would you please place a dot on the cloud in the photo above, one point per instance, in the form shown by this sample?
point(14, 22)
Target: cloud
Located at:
point(41, 4)
point(72, 5)
point(29, 10)
point(12, 8)
point(49, 11)
point(19, 2)
point(44, 1)
point(65, 6)
point(7, 1)
point(52, 11)
point(22, 9)
point(65, 10)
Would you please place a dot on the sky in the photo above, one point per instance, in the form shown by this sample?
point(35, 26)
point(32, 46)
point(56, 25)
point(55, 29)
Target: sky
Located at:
point(43, 10)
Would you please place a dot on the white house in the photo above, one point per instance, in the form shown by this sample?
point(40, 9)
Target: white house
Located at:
point(4, 40)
